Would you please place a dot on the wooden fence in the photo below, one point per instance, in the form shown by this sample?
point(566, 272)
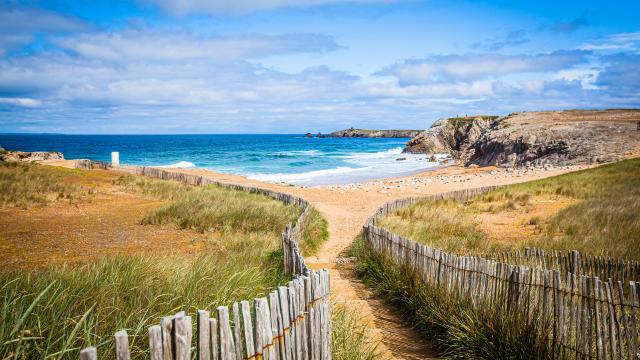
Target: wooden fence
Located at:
point(292, 323)
point(563, 261)
point(90, 164)
point(586, 316)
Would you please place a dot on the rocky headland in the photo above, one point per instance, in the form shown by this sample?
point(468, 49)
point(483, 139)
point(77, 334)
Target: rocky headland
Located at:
point(362, 133)
point(15, 156)
point(549, 138)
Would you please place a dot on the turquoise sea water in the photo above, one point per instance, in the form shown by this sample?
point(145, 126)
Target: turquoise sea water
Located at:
point(293, 159)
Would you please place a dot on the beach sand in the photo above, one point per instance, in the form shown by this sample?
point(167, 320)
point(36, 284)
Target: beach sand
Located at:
point(346, 207)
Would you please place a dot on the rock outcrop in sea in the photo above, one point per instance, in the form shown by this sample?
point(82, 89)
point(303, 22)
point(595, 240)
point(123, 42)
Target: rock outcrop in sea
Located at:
point(553, 138)
point(362, 133)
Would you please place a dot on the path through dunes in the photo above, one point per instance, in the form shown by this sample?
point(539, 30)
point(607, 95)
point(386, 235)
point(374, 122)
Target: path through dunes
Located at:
point(396, 341)
point(346, 209)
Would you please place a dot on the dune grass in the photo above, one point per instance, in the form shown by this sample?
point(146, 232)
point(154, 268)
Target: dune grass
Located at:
point(57, 311)
point(211, 208)
point(53, 312)
point(24, 184)
point(602, 218)
point(315, 233)
point(349, 335)
point(460, 329)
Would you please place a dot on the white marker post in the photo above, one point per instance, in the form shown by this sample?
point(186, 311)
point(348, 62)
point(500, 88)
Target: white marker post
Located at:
point(115, 159)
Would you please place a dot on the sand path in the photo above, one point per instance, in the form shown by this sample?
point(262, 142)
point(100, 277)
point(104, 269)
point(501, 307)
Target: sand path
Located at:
point(347, 207)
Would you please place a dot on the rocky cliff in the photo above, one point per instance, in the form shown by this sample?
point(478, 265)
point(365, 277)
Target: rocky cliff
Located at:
point(362, 133)
point(15, 156)
point(534, 138)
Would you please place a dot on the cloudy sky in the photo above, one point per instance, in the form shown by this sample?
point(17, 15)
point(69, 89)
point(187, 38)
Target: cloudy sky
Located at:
point(292, 66)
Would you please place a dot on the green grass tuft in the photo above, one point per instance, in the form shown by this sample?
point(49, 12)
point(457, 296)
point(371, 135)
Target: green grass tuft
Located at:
point(211, 208)
point(316, 232)
point(349, 335)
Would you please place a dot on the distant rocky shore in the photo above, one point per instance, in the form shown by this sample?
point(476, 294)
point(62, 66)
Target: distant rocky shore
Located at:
point(362, 133)
point(15, 156)
point(550, 138)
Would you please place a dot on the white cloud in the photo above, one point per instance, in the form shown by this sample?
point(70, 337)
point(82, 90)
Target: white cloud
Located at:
point(25, 102)
point(433, 91)
point(183, 7)
point(169, 46)
point(150, 80)
point(615, 42)
point(18, 25)
point(452, 68)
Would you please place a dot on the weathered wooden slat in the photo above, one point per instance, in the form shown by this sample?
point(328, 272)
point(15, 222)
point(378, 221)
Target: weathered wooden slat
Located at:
point(168, 343)
point(213, 341)
point(181, 337)
point(122, 345)
point(203, 339)
point(237, 337)
point(227, 346)
point(632, 316)
point(247, 326)
point(89, 353)
point(276, 324)
point(155, 342)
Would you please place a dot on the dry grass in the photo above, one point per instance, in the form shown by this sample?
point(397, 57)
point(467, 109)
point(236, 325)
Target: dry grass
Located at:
point(56, 310)
point(598, 215)
point(25, 184)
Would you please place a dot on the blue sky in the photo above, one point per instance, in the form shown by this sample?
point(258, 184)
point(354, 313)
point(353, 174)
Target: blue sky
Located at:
point(292, 66)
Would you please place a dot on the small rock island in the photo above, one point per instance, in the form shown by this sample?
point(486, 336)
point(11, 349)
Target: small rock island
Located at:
point(363, 133)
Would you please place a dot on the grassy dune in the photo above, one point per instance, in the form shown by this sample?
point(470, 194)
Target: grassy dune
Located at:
point(599, 215)
point(594, 211)
point(25, 184)
point(55, 311)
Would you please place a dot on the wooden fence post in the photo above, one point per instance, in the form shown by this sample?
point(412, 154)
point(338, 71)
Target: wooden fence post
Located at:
point(203, 337)
point(89, 353)
point(122, 346)
point(155, 342)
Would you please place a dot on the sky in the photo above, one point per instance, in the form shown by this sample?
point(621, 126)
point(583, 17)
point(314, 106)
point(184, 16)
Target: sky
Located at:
point(297, 66)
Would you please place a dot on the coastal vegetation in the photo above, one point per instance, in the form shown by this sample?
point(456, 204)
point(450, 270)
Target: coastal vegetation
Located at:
point(593, 211)
point(465, 121)
point(25, 184)
point(53, 311)
point(349, 335)
point(455, 326)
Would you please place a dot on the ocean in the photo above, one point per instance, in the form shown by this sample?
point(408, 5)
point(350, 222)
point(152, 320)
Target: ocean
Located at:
point(292, 159)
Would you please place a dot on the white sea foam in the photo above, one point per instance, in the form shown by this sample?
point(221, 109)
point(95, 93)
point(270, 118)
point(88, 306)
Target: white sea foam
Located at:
point(361, 167)
point(181, 164)
point(300, 153)
point(304, 177)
